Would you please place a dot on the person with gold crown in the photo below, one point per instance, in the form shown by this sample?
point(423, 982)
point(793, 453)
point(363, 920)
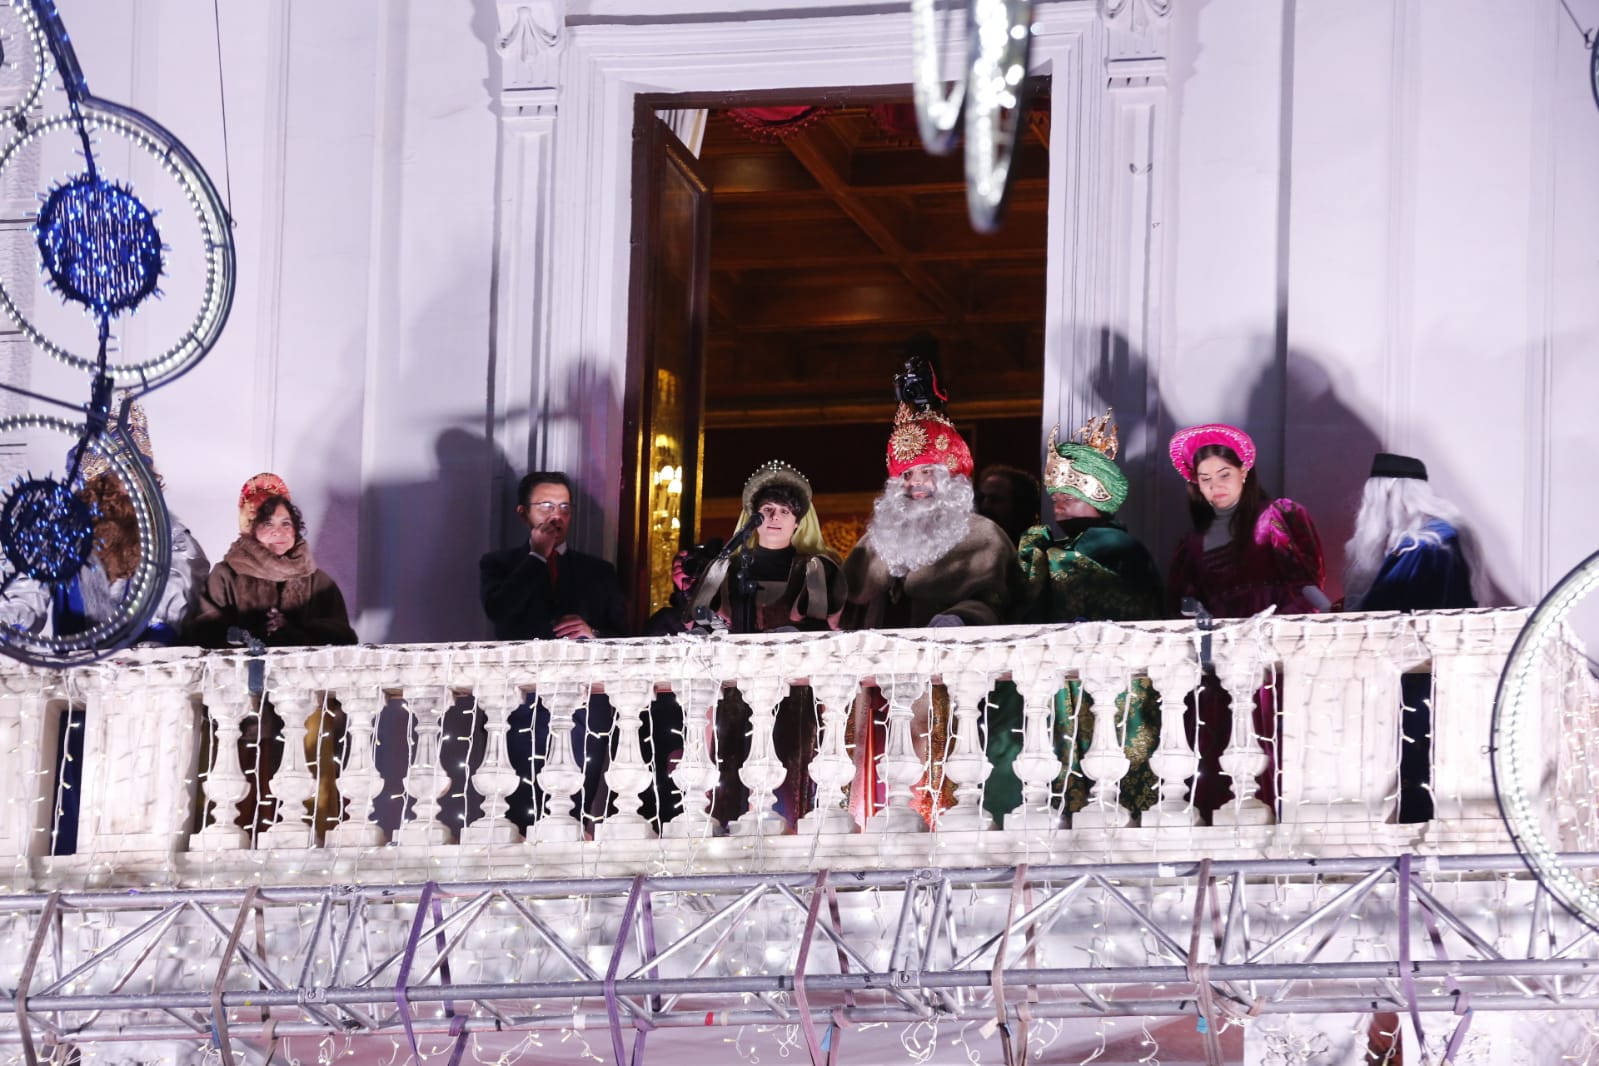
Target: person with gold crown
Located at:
point(927, 559)
point(1083, 565)
point(776, 575)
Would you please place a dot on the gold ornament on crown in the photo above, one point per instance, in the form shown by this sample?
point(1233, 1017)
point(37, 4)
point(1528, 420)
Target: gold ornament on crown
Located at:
point(1098, 433)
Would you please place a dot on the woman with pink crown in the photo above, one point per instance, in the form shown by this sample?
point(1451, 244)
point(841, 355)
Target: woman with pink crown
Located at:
point(1246, 552)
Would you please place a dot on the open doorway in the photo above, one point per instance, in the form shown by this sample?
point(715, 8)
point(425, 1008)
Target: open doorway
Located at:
point(831, 241)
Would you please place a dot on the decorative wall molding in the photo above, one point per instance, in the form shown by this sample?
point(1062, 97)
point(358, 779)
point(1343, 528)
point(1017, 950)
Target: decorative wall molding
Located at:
point(532, 35)
point(599, 69)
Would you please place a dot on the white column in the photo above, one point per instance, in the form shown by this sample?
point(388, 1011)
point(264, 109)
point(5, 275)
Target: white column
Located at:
point(224, 784)
point(425, 780)
point(292, 785)
point(561, 777)
point(1244, 759)
point(763, 772)
point(1175, 761)
point(967, 763)
point(495, 778)
point(899, 766)
point(360, 783)
point(1105, 763)
point(629, 776)
point(832, 768)
point(138, 759)
point(26, 766)
point(695, 774)
point(1037, 766)
point(1469, 654)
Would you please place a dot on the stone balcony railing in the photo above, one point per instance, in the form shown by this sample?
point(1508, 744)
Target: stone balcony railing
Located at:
point(424, 772)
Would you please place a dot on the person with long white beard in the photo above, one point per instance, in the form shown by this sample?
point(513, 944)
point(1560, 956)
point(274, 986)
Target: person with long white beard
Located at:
point(927, 559)
point(1411, 551)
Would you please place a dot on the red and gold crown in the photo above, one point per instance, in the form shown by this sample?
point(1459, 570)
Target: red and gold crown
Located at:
point(923, 433)
point(922, 437)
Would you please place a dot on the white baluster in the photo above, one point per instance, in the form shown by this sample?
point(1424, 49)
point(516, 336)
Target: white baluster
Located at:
point(1105, 763)
point(225, 783)
point(25, 768)
point(495, 778)
point(1175, 761)
point(763, 772)
point(899, 766)
point(1244, 759)
point(1038, 766)
point(360, 783)
point(695, 774)
point(561, 777)
point(967, 763)
point(629, 776)
point(832, 769)
point(292, 785)
point(425, 780)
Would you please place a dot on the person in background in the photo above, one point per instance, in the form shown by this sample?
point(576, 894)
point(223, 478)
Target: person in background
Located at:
point(796, 585)
point(927, 559)
point(268, 585)
point(93, 595)
point(1246, 552)
point(267, 591)
point(541, 589)
point(1411, 551)
point(1082, 565)
point(1009, 497)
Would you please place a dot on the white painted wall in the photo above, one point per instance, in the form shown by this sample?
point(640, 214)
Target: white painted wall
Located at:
point(1379, 233)
point(362, 140)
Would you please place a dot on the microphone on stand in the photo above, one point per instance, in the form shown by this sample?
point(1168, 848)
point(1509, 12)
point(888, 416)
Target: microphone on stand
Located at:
point(742, 537)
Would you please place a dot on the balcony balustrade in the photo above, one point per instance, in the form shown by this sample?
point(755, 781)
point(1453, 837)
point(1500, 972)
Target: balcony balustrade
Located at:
point(411, 772)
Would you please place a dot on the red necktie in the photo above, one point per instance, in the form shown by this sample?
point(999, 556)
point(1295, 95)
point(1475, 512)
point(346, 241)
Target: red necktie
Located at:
point(555, 568)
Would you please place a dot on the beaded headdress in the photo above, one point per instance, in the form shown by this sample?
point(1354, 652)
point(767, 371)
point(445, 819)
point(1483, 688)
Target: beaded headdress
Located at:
point(1084, 468)
point(1185, 442)
point(776, 472)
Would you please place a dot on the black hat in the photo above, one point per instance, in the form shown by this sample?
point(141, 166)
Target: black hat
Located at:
point(1385, 464)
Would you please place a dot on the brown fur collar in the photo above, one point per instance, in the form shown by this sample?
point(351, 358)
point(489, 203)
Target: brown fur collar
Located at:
point(250, 558)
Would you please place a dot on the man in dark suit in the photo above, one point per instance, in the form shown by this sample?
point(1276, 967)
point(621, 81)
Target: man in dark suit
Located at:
point(542, 590)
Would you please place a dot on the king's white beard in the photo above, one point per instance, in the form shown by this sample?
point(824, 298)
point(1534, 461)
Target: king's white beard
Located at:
point(908, 534)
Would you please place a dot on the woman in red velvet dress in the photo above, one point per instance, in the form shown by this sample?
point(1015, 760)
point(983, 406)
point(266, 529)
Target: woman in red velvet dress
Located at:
point(1246, 552)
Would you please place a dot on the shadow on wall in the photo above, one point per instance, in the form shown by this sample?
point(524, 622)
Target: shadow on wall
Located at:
point(420, 543)
point(1328, 451)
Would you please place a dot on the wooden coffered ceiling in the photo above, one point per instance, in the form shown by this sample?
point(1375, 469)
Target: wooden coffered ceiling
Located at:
point(831, 248)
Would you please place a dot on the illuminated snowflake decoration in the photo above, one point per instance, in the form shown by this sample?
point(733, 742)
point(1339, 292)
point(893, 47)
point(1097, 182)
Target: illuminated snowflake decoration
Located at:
point(99, 245)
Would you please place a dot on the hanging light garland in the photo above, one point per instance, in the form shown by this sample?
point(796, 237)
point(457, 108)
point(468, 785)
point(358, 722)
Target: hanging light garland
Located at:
point(991, 93)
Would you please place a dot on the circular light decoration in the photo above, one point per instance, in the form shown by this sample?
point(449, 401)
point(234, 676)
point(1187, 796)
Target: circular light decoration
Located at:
point(99, 245)
point(1532, 810)
point(48, 532)
point(47, 529)
point(107, 250)
point(992, 93)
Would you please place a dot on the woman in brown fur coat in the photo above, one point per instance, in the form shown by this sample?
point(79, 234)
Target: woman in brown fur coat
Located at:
point(268, 584)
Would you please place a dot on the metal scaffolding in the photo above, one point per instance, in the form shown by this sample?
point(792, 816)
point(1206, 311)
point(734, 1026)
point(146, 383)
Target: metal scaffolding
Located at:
point(1217, 940)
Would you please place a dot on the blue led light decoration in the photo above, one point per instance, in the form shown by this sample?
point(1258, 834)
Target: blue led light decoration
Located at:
point(99, 249)
point(47, 529)
point(99, 245)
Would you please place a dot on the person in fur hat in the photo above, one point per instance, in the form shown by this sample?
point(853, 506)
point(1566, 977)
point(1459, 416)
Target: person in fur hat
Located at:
point(268, 584)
